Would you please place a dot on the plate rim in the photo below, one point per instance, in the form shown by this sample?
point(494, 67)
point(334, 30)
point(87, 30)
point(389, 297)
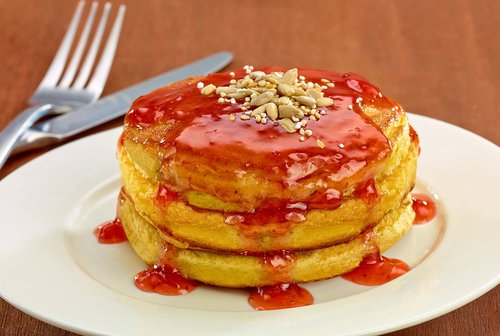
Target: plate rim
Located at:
point(400, 324)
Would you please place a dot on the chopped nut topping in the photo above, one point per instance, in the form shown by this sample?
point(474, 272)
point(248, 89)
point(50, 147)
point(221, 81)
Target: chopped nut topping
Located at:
point(288, 125)
point(324, 102)
point(287, 99)
point(208, 89)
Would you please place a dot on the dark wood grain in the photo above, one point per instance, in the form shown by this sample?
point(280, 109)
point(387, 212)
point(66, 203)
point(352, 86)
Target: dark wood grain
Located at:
point(437, 58)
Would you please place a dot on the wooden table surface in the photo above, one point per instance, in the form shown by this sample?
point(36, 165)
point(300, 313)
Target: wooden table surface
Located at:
point(437, 58)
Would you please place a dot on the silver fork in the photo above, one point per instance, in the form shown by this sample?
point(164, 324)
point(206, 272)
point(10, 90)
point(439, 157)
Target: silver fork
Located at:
point(58, 92)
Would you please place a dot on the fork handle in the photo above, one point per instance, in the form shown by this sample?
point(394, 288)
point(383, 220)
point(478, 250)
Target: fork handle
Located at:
point(10, 134)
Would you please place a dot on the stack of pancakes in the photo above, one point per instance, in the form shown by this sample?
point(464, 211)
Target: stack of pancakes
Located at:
point(233, 202)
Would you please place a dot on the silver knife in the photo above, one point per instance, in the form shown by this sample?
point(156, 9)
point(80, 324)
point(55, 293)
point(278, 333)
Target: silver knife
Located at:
point(112, 106)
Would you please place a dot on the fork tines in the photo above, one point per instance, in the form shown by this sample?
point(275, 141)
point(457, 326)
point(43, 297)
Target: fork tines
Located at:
point(55, 77)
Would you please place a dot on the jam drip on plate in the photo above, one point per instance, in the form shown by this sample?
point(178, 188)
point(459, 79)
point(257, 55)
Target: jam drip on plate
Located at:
point(165, 280)
point(424, 207)
point(279, 297)
point(110, 232)
point(278, 267)
point(375, 270)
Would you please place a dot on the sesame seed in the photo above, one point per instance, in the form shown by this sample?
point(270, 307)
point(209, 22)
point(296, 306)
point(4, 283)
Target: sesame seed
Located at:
point(341, 145)
point(302, 78)
point(330, 85)
point(231, 74)
point(232, 81)
point(302, 138)
point(244, 117)
point(349, 107)
point(220, 100)
point(232, 117)
point(200, 85)
point(312, 118)
point(322, 112)
point(298, 125)
point(320, 143)
point(243, 108)
point(309, 132)
point(258, 118)
point(233, 101)
point(263, 121)
point(301, 131)
point(295, 119)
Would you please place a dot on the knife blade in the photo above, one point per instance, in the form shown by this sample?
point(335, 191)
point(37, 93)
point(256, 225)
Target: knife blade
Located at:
point(113, 106)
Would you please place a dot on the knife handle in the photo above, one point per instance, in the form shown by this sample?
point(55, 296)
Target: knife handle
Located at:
point(18, 126)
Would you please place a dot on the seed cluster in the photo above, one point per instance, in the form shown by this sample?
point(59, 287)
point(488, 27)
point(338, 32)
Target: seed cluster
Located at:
point(285, 99)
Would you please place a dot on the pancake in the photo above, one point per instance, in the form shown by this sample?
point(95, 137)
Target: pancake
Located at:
point(235, 270)
point(197, 226)
point(224, 171)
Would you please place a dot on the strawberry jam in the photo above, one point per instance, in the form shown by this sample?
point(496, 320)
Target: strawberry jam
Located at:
point(164, 196)
point(165, 280)
point(110, 232)
point(179, 119)
point(375, 270)
point(279, 297)
point(424, 207)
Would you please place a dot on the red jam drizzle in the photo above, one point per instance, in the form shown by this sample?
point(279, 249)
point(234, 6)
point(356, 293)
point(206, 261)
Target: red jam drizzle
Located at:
point(424, 207)
point(367, 191)
point(413, 134)
point(165, 280)
point(110, 232)
point(199, 126)
point(279, 297)
point(375, 270)
point(164, 196)
point(414, 137)
point(278, 265)
point(330, 199)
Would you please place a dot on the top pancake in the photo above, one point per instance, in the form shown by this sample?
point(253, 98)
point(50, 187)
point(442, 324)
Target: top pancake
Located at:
point(187, 141)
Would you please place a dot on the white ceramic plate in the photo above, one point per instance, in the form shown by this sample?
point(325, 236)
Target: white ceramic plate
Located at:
point(53, 268)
